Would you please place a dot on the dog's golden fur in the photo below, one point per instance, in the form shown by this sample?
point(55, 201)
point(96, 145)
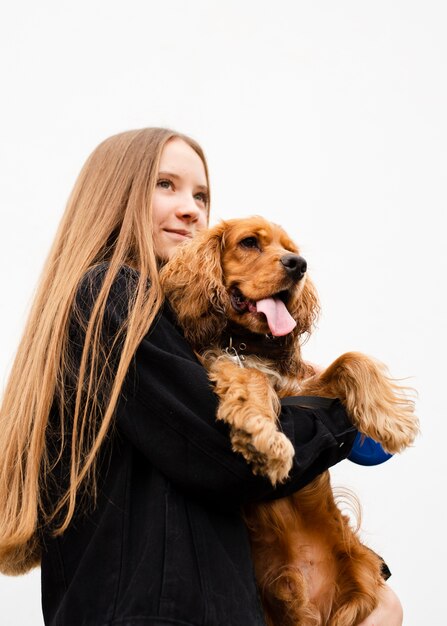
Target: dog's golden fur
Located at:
point(310, 565)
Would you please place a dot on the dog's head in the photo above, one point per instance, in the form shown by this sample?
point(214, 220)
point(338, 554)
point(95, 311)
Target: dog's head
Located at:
point(247, 271)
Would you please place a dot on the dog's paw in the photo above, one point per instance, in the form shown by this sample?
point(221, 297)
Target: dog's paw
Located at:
point(269, 453)
point(377, 404)
point(395, 428)
point(385, 413)
point(241, 442)
point(279, 459)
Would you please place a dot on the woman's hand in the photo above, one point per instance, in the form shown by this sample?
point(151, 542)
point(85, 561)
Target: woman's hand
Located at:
point(389, 611)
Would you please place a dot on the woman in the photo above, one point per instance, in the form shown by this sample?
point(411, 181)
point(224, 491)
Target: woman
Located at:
point(114, 473)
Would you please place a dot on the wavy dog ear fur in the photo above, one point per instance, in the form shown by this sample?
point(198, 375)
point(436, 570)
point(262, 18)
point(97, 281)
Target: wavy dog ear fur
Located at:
point(193, 283)
point(307, 309)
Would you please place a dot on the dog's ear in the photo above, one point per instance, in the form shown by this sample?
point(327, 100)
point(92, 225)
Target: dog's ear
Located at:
point(307, 308)
point(193, 283)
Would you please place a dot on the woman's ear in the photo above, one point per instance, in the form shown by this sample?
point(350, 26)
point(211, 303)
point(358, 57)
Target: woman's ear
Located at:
point(192, 281)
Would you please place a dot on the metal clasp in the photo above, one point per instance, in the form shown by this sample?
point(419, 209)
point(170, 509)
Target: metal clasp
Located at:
point(233, 353)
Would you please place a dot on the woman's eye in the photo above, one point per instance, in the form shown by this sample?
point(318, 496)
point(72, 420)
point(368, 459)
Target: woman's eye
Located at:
point(164, 184)
point(201, 197)
point(249, 242)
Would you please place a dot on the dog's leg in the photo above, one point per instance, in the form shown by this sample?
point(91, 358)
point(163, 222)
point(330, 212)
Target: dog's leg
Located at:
point(249, 404)
point(377, 406)
point(310, 565)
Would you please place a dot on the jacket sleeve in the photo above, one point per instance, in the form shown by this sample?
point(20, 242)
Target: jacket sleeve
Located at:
point(167, 410)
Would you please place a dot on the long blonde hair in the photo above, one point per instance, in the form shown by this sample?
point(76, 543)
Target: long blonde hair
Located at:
point(108, 219)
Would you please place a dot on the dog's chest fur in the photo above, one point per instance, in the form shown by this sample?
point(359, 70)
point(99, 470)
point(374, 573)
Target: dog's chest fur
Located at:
point(277, 357)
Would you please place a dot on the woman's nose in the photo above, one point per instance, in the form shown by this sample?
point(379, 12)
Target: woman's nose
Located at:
point(188, 209)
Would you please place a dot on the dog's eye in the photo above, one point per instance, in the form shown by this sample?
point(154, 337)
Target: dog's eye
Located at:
point(249, 242)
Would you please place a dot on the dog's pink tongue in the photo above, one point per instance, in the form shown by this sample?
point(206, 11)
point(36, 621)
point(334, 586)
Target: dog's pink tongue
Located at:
point(278, 317)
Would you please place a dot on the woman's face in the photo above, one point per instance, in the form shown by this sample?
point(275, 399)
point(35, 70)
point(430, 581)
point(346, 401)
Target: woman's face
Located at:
point(180, 199)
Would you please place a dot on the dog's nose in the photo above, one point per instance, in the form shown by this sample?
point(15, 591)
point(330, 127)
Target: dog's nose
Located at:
point(294, 265)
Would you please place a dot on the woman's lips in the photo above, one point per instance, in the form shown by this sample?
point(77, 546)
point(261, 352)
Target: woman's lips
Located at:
point(179, 234)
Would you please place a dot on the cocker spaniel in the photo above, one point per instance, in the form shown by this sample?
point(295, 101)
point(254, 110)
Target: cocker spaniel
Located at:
point(242, 295)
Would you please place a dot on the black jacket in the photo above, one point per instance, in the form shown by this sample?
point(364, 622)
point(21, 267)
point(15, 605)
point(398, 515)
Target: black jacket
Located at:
point(166, 544)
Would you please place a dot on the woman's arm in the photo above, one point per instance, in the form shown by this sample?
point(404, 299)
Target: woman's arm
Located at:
point(168, 409)
point(169, 414)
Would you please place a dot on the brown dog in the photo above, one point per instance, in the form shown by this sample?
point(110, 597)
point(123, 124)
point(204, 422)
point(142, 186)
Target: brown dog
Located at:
point(244, 300)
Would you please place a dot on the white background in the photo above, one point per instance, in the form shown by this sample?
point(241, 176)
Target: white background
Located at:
point(329, 118)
